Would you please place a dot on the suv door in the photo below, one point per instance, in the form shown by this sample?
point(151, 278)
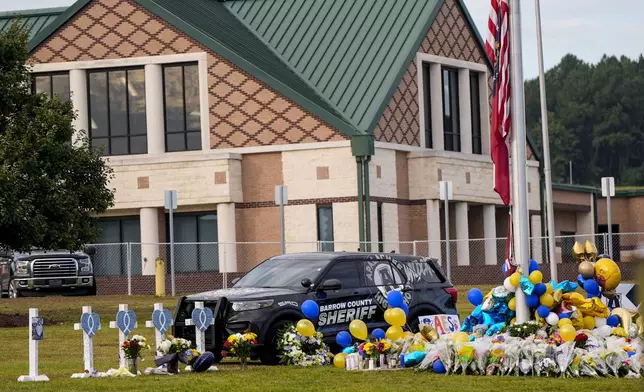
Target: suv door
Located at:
point(339, 307)
point(381, 278)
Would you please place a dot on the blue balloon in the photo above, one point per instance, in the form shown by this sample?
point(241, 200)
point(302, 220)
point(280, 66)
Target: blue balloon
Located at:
point(580, 280)
point(534, 266)
point(543, 311)
point(532, 300)
point(591, 287)
point(310, 309)
point(613, 320)
point(504, 268)
point(539, 289)
point(405, 308)
point(203, 362)
point(475, 296)
point(343, 338)
point(378, 333)
point(439, 368)
point(563, 316)
point(395, 299)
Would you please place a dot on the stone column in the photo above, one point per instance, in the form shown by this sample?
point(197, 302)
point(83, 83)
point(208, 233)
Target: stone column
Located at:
point(154, 110)
point(462, 234)
point(489, 233)
point(78, 91)
point(434, 229)
point(150, 240)
point(484, 95)
point(465, 110)
point(436, 94)
point(227, 235)
point(537, 239)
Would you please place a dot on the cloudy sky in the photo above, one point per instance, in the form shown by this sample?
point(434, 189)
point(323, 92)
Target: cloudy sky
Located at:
point(586, 28)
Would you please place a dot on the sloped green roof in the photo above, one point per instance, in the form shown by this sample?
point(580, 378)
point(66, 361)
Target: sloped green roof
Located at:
point(350, 52)
point(33, 20)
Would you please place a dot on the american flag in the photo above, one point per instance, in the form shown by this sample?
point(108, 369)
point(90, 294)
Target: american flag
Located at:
point(497, 47)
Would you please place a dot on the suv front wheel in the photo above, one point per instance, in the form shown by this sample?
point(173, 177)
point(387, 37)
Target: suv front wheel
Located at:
point(13, 290)
point(269, 354)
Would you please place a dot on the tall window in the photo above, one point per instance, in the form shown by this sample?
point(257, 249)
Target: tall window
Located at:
point(476, 113)
point(52, 84)
point(117, 111)
point(196, 247)
point(325, 228)
point(428, 106)
point(111, 257)
point(182, 111)
point(451, 126)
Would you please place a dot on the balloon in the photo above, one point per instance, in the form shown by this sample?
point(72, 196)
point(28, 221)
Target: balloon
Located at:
point(589, 322)
point(305, 328)
point(343, 338)
point(609, 293)
point(547, 300)
point(513, 321)
point(532, 300)
point(395, 316)
point(475, 296)
point(310, 309)
point(395, 299)
point(540, 289)
point(600, 322)
point(460, 337)
point(564, 321)
point(567, 333)
point(378, 333)
point(591, 287)
point(549, 288)
point(358, 329)
point(536, 277)
point(586, 269)
point(439, 368)
point(515, 279)
point(564, 316)
point(508, 285)
point(405, 309)
point(552, 319)
point(612, 320)
point(534, 266)
point(512, 304)
point(625, 317)
point(339, 360)
point(543, 311)
point(394, 333)
point(607, 274)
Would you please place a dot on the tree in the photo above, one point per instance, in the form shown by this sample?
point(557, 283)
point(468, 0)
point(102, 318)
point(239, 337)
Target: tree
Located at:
point(50, 189)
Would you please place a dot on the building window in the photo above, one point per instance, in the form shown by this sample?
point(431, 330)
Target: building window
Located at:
point(476, 113)
point(451, 126)
point(196, 247)
point(112, 248)
point(52, 84)
point(428, 106)
point(325, 228)
point(117, 111)
point(182, 110)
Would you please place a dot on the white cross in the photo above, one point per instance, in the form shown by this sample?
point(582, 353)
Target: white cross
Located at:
point(88, 348)
point(158, 336)
point(200, 336)
point(33, 353)
point(122, 336)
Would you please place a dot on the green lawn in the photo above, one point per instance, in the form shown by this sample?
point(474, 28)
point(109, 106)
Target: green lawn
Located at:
point(61, 354)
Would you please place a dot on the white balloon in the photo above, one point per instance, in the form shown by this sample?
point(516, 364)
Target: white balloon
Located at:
point(599, 322)
point(552, 319)
point(508, 286)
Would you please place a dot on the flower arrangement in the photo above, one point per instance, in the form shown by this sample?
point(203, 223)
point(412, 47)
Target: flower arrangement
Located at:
point(523, 330)
point(580, 340)
point(301, 350)
point(133, 349)
point(240, 345)
point(172, 345)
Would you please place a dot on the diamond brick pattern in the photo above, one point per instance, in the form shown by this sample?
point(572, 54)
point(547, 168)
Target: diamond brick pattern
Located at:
point(243, 111)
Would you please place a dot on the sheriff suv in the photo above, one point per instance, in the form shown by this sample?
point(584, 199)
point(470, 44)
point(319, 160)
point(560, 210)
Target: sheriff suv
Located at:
point(346, 286)
point(38, 272)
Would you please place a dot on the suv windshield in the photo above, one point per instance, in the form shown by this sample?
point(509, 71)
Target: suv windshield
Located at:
point(283, 272)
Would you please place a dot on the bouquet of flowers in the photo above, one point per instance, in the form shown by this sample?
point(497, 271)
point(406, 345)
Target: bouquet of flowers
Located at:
point(133, 349)
point(527, 357)
point(564, 356)
point(495, 359)
point(511, 359)
point(301, 350)
point(172, 345)
point(580, 340)
point(482, 352)
point(523, 330)
point(466, 355)
point(240, 346)
point(540, 353)
point(383, 347)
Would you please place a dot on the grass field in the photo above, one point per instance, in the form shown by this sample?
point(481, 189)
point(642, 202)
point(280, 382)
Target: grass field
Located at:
point(61, 354)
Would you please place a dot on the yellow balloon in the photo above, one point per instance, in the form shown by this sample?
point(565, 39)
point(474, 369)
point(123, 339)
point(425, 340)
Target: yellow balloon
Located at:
point(512, 304)
point(305, 328)
point(607, 274)
point(536, 277)
point(358, 329)
point(394, 333)
point(589, 322)
point(513, 321)
point(396, 316)
point(564, 321)
point(339, 360)
point(515, 279)
point(460, 337)
point(547, 300)
point(567, 333)
point(549, 288)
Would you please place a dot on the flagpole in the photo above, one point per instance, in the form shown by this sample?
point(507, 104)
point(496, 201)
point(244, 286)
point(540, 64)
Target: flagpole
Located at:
point(518, 144)
point(550, 213)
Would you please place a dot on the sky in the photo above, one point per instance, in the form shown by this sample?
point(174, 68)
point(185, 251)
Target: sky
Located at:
point(585, 28)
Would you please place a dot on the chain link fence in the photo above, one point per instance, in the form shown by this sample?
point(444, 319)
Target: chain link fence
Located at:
point(130, 268)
